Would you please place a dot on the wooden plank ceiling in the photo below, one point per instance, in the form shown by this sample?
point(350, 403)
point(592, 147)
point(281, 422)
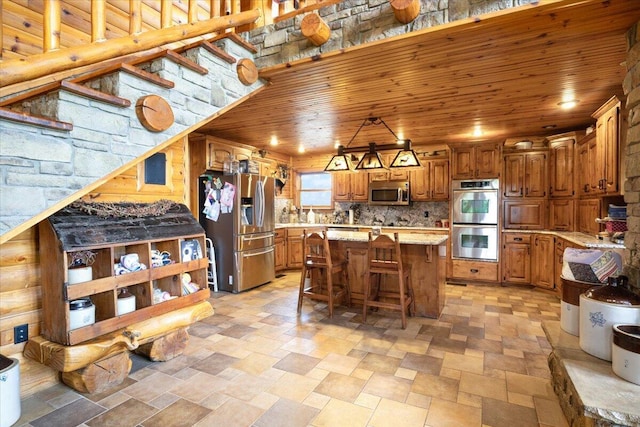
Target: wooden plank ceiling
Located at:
point(503, 74)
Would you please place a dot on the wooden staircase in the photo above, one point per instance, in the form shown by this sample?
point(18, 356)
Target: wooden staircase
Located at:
point(92, 109)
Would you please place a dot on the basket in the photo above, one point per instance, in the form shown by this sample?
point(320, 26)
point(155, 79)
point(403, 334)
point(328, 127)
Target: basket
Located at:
point(616, 226)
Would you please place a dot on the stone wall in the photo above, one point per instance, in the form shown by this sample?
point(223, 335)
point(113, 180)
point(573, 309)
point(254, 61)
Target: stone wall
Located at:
point(354, 22)
point(631, 86)
point(41, 167)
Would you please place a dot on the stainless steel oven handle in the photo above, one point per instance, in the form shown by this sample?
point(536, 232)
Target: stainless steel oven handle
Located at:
point(257, 253)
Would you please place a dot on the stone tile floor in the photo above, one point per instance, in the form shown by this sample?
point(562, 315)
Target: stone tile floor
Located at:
point(256, 363)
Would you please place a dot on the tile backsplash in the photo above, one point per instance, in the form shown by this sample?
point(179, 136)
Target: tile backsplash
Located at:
point(412, 215)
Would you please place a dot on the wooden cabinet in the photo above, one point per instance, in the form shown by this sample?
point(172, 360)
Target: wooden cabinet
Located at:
point(294, 247)
point(431, 182)
point(516, 258)
point(69, 234)
point(586, 171)
point(350, 186)
point(608, 134)
point(525, 214)
point(561, 170)
point(599, 153)
point(542, 265)
point(525, 175)
point(588, 211)
point(218, 150)
point(474, 270)
point(476, 161)
point(562, 214)
point(280, 249)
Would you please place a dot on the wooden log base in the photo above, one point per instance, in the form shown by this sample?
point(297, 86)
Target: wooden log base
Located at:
point(315, 29)
point(154, 113)
point(247, 71)
point(405, 11)
point(100, 375)
point(67, 358)
point(165, 348)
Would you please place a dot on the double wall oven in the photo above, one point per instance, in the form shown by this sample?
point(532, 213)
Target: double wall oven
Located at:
point(474, 232)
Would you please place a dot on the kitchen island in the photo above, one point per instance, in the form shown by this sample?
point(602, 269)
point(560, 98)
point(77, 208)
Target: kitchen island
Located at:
point(426, 253)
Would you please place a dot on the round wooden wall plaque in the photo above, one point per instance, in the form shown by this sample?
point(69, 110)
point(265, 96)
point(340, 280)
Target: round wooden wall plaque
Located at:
point(247, 71)
point(154, 113)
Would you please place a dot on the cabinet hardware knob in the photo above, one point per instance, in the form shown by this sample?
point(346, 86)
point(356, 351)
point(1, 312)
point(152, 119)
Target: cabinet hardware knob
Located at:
point(518, 239)
point(474, 270)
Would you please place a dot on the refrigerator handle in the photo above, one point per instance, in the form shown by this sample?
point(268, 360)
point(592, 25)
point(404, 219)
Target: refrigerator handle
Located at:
point(249, 255)
point(259, 203)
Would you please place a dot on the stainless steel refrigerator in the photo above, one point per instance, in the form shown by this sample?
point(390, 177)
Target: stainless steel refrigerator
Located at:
point(237, 213)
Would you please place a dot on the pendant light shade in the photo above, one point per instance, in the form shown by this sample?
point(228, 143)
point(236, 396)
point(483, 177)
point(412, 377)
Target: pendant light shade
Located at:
point(406, 158)
point(371, 160)
point(339, 163)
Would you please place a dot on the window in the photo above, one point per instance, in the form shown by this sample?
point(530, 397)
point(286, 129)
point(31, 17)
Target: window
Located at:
point(315, 190)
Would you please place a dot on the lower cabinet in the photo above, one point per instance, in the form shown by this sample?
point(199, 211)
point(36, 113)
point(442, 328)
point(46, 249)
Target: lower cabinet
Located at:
point(516, 258)
point(294, 247)
point(281, 249)
point(475, 270)
point(542, 266)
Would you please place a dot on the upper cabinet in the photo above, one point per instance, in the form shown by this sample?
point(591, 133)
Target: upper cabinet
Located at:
point(350, 186)
point(599, 153)
point(476, 161)
point(431, 182)
point(525, 174)
point(561, 165)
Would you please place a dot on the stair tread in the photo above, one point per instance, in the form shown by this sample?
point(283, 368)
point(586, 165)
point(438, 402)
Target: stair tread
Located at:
point(236, 38)
point(15, 116)
point(82, 90)
point(175, 56)
point(215, 50)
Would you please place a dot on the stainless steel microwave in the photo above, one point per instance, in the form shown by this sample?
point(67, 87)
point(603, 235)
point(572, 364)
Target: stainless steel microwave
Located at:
point(389, 192)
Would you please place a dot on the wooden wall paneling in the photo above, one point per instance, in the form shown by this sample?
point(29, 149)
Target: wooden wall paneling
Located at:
point(20, 301)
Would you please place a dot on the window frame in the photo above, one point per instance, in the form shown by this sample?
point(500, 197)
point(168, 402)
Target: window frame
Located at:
point(317, 190)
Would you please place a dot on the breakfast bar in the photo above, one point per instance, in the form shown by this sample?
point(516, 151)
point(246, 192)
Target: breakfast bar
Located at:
point(426, 253)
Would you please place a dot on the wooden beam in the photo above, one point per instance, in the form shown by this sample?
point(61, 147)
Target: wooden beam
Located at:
point(135, 16)
point(18, 70)
point(51, 26)
point(98, 20)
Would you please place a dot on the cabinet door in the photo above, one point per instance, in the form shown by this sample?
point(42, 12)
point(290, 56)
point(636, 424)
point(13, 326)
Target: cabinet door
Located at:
point(294, 250)
point(341, 186)
point(419, 183)
point(463, 163)
point(584, 186)
point(439, 179)
point(536, 175)
point(513, 175)
point(561, 214)
point(487, 161)
point(610, 151)
point(561, 173)
point(524, 214)
point(542, 265)
point(378, 176)
point(588, 211)
point(595, 164)
point(359, 187)
point(516, 263)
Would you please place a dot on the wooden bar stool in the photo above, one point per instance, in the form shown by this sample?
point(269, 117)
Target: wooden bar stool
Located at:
point(385, 259)
point(319, 268)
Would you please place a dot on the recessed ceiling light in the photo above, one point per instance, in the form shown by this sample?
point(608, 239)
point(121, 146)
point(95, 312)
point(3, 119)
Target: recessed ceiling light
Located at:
point(566, 105)
point(274, 140)
point(549, 126)
point(300, 148)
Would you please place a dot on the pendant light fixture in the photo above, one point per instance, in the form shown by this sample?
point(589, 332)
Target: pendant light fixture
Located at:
point(371, 160)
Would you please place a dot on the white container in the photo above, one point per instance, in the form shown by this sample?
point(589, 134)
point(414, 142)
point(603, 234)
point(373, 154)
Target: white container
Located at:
point(596, 322)
point(10, 408)
point(82, 312)
point(625, 352)
point(570, 304)
point(126, 302)
point(79, 275)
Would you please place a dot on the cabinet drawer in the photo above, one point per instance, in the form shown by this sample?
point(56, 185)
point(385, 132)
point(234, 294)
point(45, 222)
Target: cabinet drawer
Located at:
point(280, 233)
point(474, 270)
point(516, 238)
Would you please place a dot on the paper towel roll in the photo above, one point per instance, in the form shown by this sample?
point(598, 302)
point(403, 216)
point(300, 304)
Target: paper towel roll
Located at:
point(350, 216)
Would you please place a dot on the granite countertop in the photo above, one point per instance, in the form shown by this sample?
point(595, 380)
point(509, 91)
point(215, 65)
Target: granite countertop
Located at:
point(582, 239)
point(350, 226)
point(405, 238)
